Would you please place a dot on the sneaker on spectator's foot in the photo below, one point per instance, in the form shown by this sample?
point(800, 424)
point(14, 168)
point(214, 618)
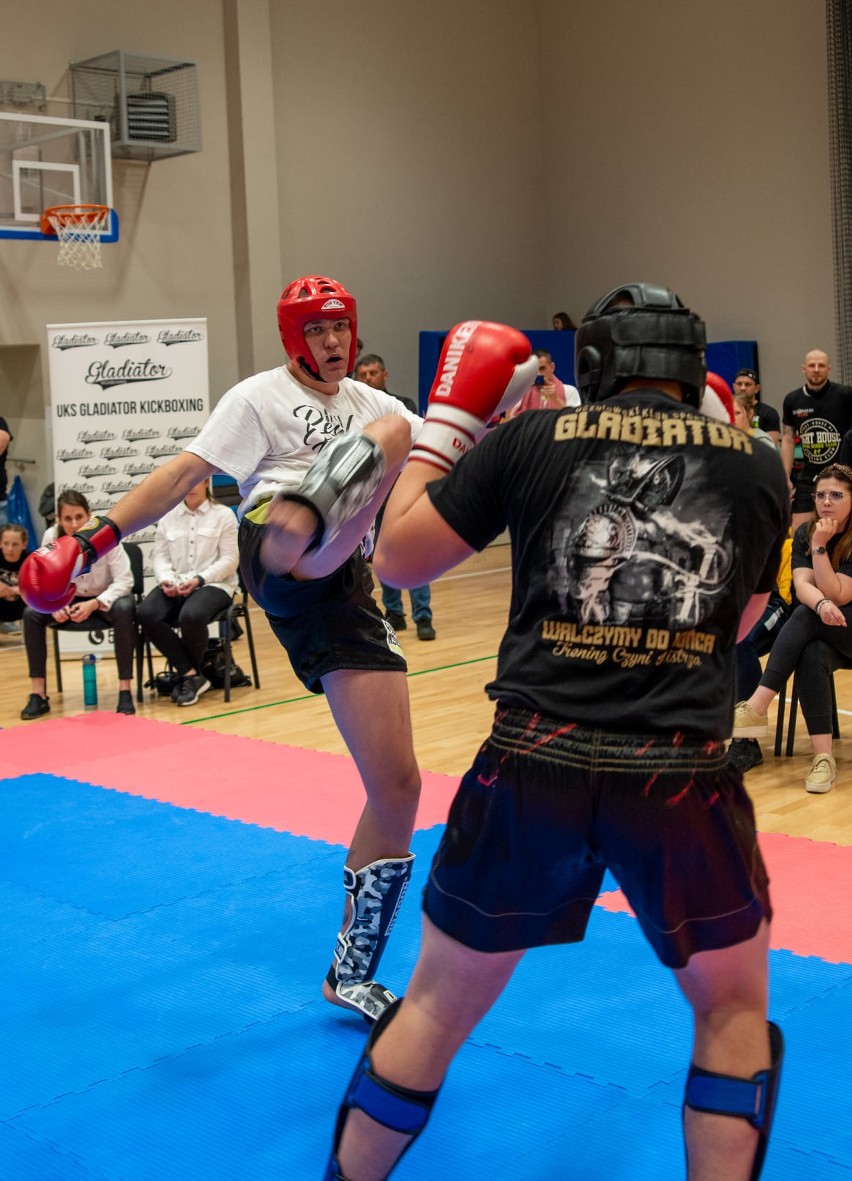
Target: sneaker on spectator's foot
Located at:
point(425, 631)
point(396, 621)
point(191, 689)
point(125, 702)
point(11, 628)
point(745, 753)
point(176, 691)
point(748, 723)
point(822, 775)
point(35, 707)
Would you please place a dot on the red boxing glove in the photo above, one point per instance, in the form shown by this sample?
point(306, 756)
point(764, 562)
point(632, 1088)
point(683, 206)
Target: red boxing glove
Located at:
point(484, 369)
point(46, 580)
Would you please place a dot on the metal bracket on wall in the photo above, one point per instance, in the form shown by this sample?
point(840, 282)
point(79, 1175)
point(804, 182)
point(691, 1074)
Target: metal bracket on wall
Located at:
point(32, 95)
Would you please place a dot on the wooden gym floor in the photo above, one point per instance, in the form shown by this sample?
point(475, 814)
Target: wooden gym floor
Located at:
point(450, 711)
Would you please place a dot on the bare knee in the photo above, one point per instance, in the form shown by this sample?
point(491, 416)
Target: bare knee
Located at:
point(396, 791)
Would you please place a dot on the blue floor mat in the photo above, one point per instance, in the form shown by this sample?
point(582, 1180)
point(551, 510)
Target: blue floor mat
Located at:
point(161, 1018)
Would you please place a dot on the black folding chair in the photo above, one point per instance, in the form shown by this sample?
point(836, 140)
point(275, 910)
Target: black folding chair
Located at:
point(137, 567)
point(227, 619)
point(229, 631)
point(794, 707)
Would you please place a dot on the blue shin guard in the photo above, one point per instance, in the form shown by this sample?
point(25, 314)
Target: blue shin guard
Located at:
point(375, 893)
point(398, 1108)
point(749, 1099)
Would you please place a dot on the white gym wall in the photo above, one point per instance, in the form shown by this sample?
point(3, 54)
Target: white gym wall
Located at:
point(450, 160)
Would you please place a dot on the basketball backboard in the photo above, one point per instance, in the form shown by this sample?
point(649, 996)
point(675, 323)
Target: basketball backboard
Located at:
point(46, 162)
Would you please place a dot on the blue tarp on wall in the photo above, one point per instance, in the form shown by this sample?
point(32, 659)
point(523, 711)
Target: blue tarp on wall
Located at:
point(724, 357)
point(18, 511)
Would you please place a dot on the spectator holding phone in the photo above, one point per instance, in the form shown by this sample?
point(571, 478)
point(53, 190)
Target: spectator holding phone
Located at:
point(547, 392)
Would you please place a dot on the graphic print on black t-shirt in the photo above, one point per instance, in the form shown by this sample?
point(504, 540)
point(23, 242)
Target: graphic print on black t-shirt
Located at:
point(632, 545)
point(640, 530)
point(820, 440)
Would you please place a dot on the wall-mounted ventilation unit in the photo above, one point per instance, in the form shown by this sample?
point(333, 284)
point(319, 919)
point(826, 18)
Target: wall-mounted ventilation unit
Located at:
point(151, 103)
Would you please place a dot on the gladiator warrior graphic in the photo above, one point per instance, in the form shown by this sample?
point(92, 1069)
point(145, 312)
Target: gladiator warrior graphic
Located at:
point(631, 559)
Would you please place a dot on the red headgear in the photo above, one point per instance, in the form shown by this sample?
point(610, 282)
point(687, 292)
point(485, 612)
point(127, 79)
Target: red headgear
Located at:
point(314, 298)
point(718, 385)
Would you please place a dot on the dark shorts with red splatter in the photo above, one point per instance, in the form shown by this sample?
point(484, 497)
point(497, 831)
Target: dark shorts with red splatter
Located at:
point(547, 807)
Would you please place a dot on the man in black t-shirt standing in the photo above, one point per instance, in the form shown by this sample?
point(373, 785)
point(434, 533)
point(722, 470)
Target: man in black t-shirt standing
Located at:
point(819, 413)
point(637, 560)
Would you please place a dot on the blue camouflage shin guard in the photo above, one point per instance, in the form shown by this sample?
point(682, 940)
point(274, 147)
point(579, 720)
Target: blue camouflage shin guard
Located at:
point(375, 893)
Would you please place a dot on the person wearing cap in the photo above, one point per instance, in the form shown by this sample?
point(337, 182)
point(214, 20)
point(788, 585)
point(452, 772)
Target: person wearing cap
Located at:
point(766, 418)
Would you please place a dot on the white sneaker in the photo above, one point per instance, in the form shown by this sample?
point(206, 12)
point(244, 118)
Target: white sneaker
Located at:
point(822, 774)
point(748, 723)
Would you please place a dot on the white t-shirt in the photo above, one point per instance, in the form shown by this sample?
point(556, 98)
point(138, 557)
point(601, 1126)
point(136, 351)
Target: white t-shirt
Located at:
point(201, 542)
point(267, 431)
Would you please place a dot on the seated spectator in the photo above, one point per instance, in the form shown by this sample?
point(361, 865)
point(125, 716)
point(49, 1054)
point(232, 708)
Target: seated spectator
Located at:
point(745, 753)
point(816, 639)
point(13, 550)
point(744, 418)
point(766, 418)
point(195, 565)
point(102, 599)
point(562, 322)
point(548, 392)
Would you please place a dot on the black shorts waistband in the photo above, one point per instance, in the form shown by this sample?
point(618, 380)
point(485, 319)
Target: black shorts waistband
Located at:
point(537, 736)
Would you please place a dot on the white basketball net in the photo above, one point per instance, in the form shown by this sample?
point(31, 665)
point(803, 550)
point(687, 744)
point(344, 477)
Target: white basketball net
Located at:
point(79, 230)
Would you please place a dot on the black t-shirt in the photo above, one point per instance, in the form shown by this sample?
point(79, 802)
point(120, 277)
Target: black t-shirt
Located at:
point(4, 426)
point(9, 571)
point(800, 555)
point(640, 530)
point(11, 608)
point(820, 418)
point(844, 456)
point(766, 418)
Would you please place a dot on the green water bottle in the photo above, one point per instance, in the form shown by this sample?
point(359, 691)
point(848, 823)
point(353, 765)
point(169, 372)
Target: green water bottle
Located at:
point(90, 679)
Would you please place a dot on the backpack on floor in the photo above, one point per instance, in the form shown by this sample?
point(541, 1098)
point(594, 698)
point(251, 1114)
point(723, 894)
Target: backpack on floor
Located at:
point(164, 682)
point(213, 667)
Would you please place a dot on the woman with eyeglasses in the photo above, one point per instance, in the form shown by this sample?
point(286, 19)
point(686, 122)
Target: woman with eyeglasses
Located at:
point(816, 639)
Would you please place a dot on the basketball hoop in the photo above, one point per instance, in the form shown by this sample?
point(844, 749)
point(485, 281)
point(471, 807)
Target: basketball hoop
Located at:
point(79, 229)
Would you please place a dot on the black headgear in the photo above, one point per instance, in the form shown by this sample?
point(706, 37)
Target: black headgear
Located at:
point(639, 330)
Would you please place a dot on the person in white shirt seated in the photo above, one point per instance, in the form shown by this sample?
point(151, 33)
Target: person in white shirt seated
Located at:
point(195, 565)
point(102, 598)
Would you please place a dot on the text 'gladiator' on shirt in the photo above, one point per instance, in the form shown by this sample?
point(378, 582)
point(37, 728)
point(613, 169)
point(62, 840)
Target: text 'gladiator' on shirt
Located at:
point(647, 427)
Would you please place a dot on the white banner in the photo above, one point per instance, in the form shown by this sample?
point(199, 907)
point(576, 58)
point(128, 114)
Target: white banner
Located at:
point(124, 398)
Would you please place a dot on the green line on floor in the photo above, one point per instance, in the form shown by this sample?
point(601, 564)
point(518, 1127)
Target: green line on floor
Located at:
point(313, 696)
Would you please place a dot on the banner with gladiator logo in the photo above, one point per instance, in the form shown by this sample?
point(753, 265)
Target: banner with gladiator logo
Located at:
point(124, 398)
